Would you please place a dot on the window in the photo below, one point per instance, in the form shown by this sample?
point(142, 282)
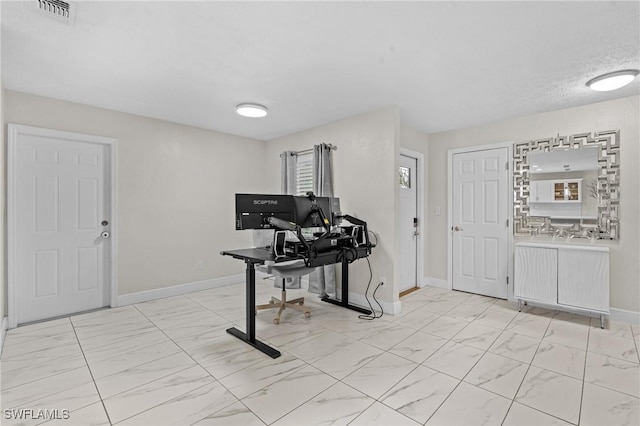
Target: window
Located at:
point(405, 177)
point(304, 182)
point(304, 174)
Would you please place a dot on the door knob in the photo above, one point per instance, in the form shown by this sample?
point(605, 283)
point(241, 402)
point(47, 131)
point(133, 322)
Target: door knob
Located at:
point(457, 228)
point(105, 234)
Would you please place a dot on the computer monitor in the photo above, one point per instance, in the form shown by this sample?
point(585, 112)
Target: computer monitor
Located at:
point(254, 210)
point(311, 211)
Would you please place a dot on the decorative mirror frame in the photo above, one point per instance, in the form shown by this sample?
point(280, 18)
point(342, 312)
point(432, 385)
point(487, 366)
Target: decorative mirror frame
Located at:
point(607, 225)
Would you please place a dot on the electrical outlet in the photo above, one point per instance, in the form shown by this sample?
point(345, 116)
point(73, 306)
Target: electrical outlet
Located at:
point(199, 265)
point(382, 280)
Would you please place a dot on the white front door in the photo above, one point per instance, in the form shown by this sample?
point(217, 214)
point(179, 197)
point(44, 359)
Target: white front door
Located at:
point(407, 175)
point(479, 222)
point(59, 209)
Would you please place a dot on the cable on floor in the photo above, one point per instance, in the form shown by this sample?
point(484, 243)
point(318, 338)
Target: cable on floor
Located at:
point(373, 315)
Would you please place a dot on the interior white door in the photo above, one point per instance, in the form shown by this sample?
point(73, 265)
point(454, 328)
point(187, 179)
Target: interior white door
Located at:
point(61, 246)
point(408, 172)
point(479, 222)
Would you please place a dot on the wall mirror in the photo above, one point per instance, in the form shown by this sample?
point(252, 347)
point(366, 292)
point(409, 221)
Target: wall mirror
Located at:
point(568, 186)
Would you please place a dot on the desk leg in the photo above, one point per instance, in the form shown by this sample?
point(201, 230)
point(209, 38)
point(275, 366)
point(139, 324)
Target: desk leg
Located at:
point(345, 293)
point(250, 336)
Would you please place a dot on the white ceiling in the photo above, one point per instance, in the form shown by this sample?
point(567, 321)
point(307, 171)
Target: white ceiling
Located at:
point(447, 65)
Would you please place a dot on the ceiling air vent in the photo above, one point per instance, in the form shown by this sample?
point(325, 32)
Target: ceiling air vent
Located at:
point(58, 9)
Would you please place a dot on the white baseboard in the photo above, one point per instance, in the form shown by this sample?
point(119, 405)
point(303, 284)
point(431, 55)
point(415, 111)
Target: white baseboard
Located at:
point(623, 315)
point(436, 282)
point(391, 308)
point(177, 290)
point(3, 332)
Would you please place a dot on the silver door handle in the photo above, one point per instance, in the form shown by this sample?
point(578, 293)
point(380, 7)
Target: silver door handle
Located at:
point(105, 234)
point(457, 229)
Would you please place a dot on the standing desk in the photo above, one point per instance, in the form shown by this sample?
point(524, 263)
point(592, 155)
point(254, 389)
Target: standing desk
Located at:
point(260, 255)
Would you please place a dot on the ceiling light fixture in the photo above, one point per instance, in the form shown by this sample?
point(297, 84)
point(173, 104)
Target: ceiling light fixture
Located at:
point(251, 110)
point(612, 80)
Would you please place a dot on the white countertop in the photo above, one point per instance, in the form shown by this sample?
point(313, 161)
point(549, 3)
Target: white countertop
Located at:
point(561, 245)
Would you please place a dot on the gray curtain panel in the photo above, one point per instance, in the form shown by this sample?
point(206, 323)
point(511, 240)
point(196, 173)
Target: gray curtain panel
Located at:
point(323, 279)
point(289, 161)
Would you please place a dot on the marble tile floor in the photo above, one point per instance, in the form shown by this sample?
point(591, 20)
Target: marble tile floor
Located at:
point(449, 358)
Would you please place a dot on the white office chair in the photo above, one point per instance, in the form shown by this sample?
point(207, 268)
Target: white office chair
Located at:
point(286, 272)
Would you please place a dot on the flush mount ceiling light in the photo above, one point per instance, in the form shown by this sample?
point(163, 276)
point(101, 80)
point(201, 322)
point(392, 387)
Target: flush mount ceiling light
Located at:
point(612, 80)
point(251, 110)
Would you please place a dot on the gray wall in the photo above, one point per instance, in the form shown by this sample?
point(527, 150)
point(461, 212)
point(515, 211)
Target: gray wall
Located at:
point(364, 173)
point(176, 185)
point(618, 114)
point(176, 188)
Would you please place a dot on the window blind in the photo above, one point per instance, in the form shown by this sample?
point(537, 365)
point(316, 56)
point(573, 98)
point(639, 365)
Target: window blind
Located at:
point(304, 174)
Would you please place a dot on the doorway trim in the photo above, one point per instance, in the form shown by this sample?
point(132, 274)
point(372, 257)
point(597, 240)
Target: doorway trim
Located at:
point(450, 154)
point(13, 131)
point(420, 212)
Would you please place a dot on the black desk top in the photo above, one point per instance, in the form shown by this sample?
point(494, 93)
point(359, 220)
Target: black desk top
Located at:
point(261, 255)
point(256, 255)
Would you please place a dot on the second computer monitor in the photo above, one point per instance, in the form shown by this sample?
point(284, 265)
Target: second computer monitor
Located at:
point(307, 216)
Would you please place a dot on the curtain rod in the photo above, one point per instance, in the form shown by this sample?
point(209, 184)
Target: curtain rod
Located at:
point(307, 151)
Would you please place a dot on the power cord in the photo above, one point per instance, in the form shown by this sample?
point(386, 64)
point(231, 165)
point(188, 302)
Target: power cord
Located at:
point(373, 315)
